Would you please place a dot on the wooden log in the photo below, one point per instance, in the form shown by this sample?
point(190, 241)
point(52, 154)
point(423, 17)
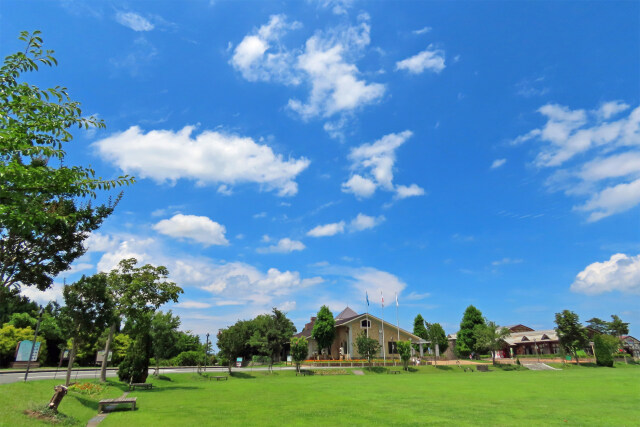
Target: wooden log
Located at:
point(60, 392)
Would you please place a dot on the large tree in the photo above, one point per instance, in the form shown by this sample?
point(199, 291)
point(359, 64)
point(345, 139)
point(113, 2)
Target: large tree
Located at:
point(324, 329)
point(571, 334)
point(437, 335)
point(136, 293)
point(88, 310)
point(419, 329)
point(466, 340)
point(490, 336)
point(164, 333)
point(617, 327)
point(404, 349)
point(234, 341)
point(44, 216)
point(271, 333)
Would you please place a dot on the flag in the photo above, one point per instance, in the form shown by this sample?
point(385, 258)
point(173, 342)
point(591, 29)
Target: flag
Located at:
point(396, 299)
point(366, 295)
point(382, 296)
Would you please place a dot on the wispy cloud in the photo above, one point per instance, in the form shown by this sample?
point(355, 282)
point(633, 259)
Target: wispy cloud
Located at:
point(134, 21)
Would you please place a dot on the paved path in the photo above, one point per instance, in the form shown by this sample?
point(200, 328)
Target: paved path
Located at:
point(93, 422)
point(358, 372)
point(539, 367)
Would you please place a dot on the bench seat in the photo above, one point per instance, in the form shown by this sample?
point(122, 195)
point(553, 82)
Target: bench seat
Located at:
point(118, 401)
point(133, 386)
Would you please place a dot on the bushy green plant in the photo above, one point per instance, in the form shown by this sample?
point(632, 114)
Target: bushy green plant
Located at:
point(603, 350)
point(188, 358)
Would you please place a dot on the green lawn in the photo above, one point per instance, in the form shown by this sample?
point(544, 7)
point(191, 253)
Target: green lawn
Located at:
point(446, 395)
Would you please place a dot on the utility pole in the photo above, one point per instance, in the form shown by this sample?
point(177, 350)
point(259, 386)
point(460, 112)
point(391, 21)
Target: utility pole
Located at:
point(206, 352)
point(33, 344)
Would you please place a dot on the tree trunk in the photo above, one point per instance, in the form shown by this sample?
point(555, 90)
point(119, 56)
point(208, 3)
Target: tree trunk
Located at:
point(493, 357)
point(230, 366)
point(158, 365)
point(105, 359)
point(72, 355)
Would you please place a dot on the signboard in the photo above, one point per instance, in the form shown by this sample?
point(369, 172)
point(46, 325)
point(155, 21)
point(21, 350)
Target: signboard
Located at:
point(239, 362)
point(24, 350)
point(100, 356)
point(289, 359)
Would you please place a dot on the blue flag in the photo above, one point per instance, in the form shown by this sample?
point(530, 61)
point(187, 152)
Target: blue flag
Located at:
point(366, 294)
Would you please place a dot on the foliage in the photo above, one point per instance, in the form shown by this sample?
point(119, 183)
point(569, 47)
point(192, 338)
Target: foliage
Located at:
point(42, 222)
point(270, 333)
point(188, 358)
point(11, 301)
point(437, 335)
point(23, 320)
point(163, 332)
point(599, 325)
point(466, 340)
point(135, 365)
point(571, 334)
point(419, 329)
point(10, 336)
point(367, 347)
point(324, 329)
point(233, 341)
point(617, 327)
point(491, 337)
point(404, 349)
point(603, 351)
point(299, 350)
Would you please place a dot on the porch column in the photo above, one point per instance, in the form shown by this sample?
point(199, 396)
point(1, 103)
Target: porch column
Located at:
point(350, 344)
point(421, 351)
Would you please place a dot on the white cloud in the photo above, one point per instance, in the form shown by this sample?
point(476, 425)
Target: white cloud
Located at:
point(327, 229)
point(283, 246)
point(422, 30)
point(338, 7)
point(197, 228)
point(54, 293)
point(193, 304)
point(414, 296)
point(612, 200)
point(361, 187)
point(251, 58)
point(430, 59)
point(133, 21)
point(326, 64)
point(620, 273)
point(98, 242)
point(335, 85)
point(230, 282)
point(376, 283)
point(77, 267)
point(365, 222)
point(209, 158)
point(413, 190)
point(594, 154)
point(497, 163)
point(376, 161)
point(225, 190)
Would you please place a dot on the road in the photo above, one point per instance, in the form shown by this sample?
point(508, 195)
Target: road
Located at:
point(35, 375)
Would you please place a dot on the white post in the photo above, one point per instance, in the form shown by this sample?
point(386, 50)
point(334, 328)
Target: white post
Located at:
point(384, 350)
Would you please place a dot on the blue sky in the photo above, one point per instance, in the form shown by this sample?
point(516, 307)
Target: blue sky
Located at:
point(295, 154)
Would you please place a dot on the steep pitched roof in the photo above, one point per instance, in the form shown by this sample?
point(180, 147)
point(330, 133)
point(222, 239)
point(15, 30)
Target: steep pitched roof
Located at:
point(346, 314)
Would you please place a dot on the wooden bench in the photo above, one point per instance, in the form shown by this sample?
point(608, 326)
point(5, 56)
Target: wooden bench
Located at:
point(482, 368)
point(220, 378)
point(118, 401)
point(394, 372)
point(146, 386)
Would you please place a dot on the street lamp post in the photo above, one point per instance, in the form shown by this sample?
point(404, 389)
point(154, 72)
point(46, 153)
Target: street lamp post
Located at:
point(206, 352)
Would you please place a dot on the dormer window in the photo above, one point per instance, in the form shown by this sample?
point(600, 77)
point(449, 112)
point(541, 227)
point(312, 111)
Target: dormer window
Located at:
point(365, 324)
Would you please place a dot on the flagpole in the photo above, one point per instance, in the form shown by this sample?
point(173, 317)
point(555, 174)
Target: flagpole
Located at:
point(367, 297)
point(397, 318)
point(384, 350)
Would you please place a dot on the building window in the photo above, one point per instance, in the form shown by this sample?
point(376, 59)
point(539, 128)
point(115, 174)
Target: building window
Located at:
point(365, 324)
point(393, 348)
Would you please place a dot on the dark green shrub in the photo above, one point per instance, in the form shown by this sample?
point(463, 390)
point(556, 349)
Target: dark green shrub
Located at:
point(189, 358)
point(603, 351)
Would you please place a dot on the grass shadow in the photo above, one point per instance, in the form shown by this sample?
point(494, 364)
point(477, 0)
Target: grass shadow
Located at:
point(242, 375)
point(377, 369)
point(163, 378)
point(410, 369)
point(444, 368)
point(93, 404)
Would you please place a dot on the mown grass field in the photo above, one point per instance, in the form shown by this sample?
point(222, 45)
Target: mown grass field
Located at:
point(444, 396)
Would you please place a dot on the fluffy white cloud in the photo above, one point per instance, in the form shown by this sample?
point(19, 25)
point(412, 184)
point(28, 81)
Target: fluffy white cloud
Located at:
point(209, 158)
point(251, 58)
point(413, 190)
point(326, 64)
point(620, 273)
point(335, 85)
point(98, 242)
point(54, 293)
point(133, 21)
point(430, 59)
point(360, 186)
point(376, 161)
point(283, 246)
point(376, 283)
point(197, 228)
point(422, 30)
point(497, 163)
point(327, 229)
point(231, 282)
point(610, 177)
point(365, 222)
